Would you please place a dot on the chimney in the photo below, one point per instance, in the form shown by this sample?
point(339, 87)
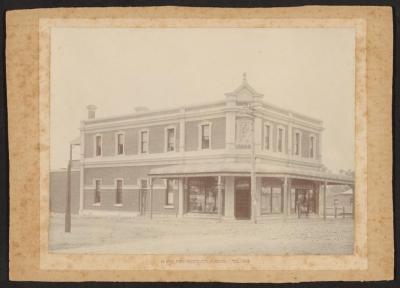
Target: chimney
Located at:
point(141, 109)
point(91, 111)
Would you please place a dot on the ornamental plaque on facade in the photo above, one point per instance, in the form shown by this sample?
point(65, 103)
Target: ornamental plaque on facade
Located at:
point(243, 133)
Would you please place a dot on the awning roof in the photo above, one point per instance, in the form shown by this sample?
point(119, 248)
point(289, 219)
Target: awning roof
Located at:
point(185, 170)
point(346, 193)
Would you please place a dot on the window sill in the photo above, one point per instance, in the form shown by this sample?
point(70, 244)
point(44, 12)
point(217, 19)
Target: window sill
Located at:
point(96, 204)
point(117, 205)
point(169, 206)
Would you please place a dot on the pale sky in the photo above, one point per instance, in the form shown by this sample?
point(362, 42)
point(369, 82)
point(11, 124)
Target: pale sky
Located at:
point(308, 70)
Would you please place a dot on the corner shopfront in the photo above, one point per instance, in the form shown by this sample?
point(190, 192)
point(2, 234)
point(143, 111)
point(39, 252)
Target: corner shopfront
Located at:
point(224, 191)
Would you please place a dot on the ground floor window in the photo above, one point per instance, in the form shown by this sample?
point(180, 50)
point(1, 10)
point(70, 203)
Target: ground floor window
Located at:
point(97, 198)
point(203, 195)
point(172, 186)
point(271, 196)
point(118, 194)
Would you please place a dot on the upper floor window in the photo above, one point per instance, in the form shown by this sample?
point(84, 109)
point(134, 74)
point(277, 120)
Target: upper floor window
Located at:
point(120, 143)
point(267, 137)
point(118, 192)
point(98, 145)
point(144, 141)
point(170, 138)
point(312, 147)
point(205, 136)
point(281, 139)
point(297, 143)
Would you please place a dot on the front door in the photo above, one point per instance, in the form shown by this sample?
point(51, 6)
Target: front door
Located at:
point(242, 198)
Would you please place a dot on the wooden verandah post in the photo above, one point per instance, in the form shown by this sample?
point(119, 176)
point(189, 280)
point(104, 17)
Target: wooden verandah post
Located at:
point(285, 196)
point(219, 198)
point(151, 197)
point(325, 184)
point(354, 201)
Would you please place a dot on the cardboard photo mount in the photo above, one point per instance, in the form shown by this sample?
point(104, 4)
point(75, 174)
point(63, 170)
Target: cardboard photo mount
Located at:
point(28, 86)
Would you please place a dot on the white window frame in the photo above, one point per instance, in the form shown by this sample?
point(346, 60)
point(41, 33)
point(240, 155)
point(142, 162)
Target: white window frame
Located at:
point(122, 192)
point(314, 142)
point(200, 135)
point(140, 141)
point(166, 139)
point(116, 143)
point(95, 145)
point(94, 184)
point(166, 204)
point(270, 135)
point(296, 131)
point(283, 139)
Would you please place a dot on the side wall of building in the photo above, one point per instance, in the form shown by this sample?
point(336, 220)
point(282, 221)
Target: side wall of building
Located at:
point(156, 140)
point(58, 191)
point(135, 198)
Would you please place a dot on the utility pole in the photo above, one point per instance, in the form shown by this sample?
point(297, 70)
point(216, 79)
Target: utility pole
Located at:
point(253, 167)
point(67, 227)
point(249, 110)
point(68, 200)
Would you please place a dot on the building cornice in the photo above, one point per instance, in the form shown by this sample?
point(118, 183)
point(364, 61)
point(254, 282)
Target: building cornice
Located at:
point(154, 121)
point(216, 155)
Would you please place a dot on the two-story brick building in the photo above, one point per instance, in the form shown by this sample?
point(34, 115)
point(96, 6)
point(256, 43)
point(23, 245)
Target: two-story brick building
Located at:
point(197, 160)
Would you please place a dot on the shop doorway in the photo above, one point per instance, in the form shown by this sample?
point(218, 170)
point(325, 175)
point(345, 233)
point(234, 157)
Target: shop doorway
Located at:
point(242, 198)
point(306, 202)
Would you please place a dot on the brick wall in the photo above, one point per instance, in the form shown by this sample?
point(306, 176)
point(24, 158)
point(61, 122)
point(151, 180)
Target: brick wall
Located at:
point(305, 141)
point(130, 196)
point(217, 134)
point(58, 191)
point(156, 140)
point(129, 174)
point(274, 134)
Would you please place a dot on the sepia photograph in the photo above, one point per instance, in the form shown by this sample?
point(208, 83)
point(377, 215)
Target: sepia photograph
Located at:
point(222, 141)
point(200, 144)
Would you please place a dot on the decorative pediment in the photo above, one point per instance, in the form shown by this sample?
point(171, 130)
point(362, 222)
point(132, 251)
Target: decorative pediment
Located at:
point(244, 93)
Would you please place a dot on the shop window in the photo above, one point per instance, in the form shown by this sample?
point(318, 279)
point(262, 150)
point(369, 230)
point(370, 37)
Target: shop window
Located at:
point(306, 201)
point(203, 195)
point(271, 197)
point(169, 194)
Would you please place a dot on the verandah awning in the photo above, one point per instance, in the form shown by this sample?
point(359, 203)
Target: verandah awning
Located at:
point(232, 169)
